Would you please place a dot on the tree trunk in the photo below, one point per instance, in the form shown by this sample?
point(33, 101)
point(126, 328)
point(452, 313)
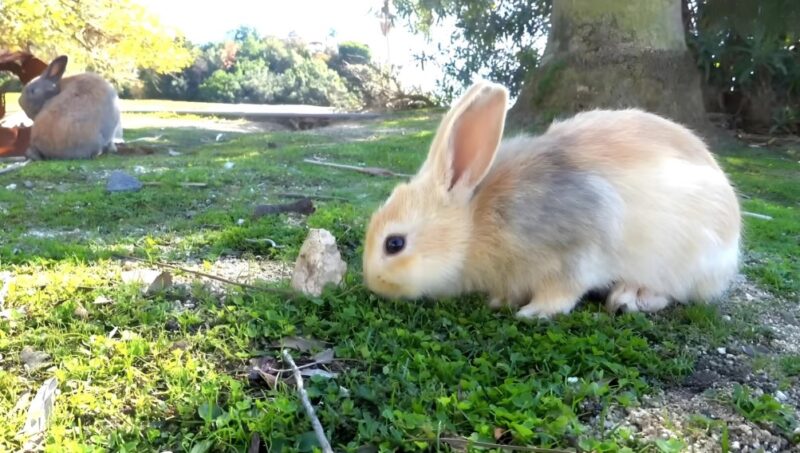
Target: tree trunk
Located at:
point(614, 54)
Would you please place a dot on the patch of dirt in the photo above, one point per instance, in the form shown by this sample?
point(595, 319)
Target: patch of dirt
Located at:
point(240, 270)
point(212, 124)
point(670, 413)
point(355, 131)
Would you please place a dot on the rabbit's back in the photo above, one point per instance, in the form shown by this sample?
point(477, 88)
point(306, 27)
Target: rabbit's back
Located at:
point(80, 120)
point(611, 195)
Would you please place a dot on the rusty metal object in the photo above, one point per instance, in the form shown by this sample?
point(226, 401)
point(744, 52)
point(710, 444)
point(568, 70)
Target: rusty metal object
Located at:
point(14, 140)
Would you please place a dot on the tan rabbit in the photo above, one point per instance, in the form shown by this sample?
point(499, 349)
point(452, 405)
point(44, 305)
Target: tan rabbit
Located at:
point(75, 117)
point(623, 201)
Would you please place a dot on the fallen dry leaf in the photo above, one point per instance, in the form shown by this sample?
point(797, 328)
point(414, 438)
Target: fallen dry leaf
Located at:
point(41, 408)
point(33, 360)
point(151, 280)
point(323, 357)
point(102, 300)
point(81, 312)
point(308, 372)
point(300, 344)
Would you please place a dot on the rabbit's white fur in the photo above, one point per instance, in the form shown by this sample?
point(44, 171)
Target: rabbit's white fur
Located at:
point(624, 200)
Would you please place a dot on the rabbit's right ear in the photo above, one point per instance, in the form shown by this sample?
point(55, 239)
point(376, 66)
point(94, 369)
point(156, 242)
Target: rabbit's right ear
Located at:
point(55, 70)
point(467, 140)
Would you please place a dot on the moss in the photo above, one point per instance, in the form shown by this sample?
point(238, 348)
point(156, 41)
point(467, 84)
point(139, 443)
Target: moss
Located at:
point(547, 80)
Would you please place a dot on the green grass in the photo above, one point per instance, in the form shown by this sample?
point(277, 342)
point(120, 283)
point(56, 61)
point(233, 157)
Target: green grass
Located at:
point(174, 376)
point(769, 181)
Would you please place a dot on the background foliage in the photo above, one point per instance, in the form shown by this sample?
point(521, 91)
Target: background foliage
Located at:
point(256, 69)
point(748, 50)
point(113, 37)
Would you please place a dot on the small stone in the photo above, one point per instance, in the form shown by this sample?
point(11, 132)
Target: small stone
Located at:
point(240, 222)
point(735, 445)
point(572, 380)
point(780, 396)
point(119, 181)
point(11, 187)
point(81, 312)
point(139, 169)
point(722, 351)
point(173, 153)
point(726, 318)
point(150, 280)
point(318, 264)
point(749, 350)
point(228, 165)
point(33, 360)
point(172, 325)
point(27, 184)
point(102, 300)
point(749, 297)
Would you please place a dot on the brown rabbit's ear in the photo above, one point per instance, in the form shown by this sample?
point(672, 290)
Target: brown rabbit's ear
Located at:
point(55, 70)
point(467, 141)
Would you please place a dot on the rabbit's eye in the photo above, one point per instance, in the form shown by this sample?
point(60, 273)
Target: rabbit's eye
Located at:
point(394, 244)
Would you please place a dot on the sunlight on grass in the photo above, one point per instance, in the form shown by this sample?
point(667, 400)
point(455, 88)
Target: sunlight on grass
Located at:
point(169, 370)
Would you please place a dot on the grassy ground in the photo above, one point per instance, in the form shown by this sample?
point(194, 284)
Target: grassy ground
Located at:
point(170, 371)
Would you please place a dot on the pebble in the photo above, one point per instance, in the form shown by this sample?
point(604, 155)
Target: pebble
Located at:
point(780, 396)
point(228, 165)
point(119, 181)
point(11, 187)
point(722, 351)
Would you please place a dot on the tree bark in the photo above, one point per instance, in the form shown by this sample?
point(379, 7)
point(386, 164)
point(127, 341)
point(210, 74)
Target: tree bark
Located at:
point(613, 54)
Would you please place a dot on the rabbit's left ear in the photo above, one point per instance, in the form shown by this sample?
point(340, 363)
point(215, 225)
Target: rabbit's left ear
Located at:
point(55, 70)
point(467, 141)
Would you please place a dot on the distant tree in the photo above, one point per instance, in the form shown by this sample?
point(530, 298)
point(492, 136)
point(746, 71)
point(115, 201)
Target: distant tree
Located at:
point(116, 38)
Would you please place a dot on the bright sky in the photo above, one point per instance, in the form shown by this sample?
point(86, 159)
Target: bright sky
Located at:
point(313, 20)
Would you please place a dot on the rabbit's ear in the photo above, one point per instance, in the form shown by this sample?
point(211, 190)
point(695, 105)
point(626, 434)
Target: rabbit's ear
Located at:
point(55, 70)
point(467, 141)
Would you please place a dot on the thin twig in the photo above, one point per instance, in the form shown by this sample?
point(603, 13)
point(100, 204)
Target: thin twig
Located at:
point(756, 215)
point(298, 378)
point(284, 292)
point(373, 171)
point(316, 197)
point(15, 166)
point(264, 240)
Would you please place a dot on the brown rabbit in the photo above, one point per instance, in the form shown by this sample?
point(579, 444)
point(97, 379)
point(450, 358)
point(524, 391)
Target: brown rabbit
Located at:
point(74, 117)
point(620, 200)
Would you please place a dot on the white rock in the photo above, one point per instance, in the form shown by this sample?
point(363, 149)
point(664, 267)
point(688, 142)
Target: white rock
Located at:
point(151, 280)
point(780, 396)
point(318, 264)
point(228, 165)
point(572, 380)
point(735, 445)
point(11, 187)
point(722, 351)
